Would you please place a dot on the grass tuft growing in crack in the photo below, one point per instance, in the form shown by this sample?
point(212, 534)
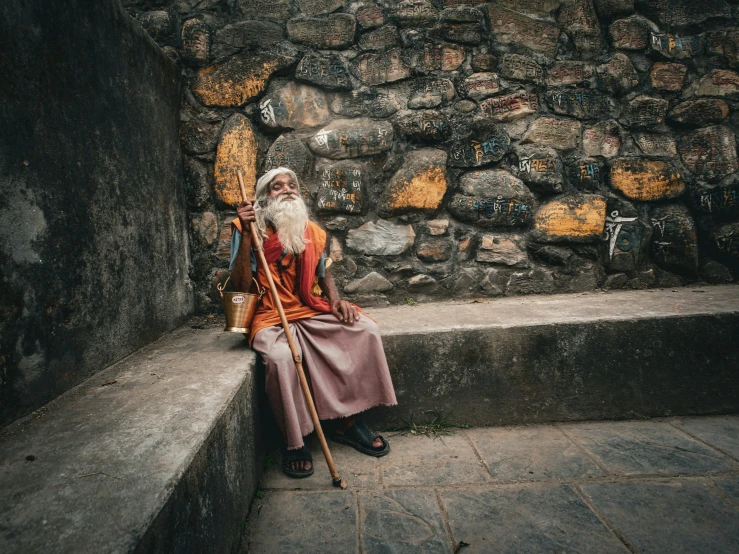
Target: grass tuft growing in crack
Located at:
point(433, 425)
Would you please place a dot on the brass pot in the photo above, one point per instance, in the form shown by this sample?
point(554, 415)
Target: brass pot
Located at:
point(239, 307)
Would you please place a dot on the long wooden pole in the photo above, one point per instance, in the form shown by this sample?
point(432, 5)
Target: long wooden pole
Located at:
point(257, 242)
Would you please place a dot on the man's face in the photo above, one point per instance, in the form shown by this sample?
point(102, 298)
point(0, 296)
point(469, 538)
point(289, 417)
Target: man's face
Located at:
point(281, 185)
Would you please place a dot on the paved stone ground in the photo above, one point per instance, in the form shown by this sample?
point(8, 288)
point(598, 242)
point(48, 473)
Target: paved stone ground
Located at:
point(657, 486)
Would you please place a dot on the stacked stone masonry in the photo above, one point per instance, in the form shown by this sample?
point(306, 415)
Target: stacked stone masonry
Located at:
point(457, 148)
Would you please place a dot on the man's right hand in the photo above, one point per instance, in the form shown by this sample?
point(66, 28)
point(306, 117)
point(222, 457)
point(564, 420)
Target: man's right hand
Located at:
point(246, 214)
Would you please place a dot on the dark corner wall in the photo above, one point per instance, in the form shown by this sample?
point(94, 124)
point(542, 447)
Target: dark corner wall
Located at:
point(93, 238)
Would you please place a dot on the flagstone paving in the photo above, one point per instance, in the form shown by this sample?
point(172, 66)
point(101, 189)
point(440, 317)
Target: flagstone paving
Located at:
point(658, 486)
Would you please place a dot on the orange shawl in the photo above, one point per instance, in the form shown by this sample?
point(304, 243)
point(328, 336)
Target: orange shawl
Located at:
point(293, 282)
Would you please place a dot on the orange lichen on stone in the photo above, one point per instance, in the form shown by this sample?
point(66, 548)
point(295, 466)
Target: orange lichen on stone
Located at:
point(576, 217)
point(424, 190)
point(237, 149)
point(231, 84)
point(646, 180)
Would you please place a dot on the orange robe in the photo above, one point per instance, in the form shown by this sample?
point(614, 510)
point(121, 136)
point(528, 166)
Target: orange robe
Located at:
point(286, 277)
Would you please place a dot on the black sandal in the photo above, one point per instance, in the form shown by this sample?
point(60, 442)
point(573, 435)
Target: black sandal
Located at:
point(360, 437)
point(301, 454)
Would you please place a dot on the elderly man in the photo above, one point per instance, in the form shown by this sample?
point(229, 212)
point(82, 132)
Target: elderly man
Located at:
point(340, 347)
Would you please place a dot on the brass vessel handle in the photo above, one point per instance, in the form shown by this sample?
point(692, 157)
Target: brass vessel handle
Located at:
point(222, 286)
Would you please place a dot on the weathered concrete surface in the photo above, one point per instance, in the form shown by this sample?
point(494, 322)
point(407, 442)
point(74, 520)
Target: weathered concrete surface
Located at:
point(93, 231)
point(636, 448)
point(531, 454)
point(563, 358)
point(158, 453)
point(542, 490)
point(669, 516)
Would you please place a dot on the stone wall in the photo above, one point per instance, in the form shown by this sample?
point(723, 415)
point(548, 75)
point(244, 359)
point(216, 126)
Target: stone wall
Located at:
point(93, 239)
point(453, 148)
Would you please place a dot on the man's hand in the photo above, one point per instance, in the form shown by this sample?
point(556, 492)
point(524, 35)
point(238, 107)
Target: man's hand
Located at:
point(344, 311)
point(246, 214)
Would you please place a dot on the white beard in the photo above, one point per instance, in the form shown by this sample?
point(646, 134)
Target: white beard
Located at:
point(289, 218)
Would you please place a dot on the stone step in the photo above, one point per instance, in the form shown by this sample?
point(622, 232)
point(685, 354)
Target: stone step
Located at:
point(630, 486)
point(162, 452)
point(159, 453)
point(568, 357)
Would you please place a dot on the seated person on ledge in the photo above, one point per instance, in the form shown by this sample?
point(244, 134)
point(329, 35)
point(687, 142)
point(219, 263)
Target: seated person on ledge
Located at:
point(340, 347)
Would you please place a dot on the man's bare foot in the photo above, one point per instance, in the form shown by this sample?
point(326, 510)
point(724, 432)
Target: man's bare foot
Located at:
point(297, 462)
point(300, 465)
point(348, 422)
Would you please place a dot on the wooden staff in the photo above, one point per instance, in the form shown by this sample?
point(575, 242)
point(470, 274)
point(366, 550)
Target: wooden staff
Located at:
point(257, 242)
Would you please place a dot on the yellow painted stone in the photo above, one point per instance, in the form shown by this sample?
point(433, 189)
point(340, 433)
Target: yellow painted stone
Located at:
point(424, 190)
point(234, 82)
point(237, 149)
point(646, 180)
point(577, 217)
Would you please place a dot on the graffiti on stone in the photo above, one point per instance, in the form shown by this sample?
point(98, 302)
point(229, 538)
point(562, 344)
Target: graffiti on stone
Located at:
point(678, 13)
point(631, 33)
point(461, 3)
point(587, 174)
point(699, 112)
point(674, 240)
point(289, 152)
point(329, 72)
point(479, 86)
point(419, 184)
point(720, 200)
point(541, 168)
point(719, 82)
point(428, 125)
point(521, 68)
point(561, 134)
point(625, 238)
point(579, 103)
point(534, 7)
point(710, 152)
point(726, 44)
point(645, 112)
point(380, 38)
point(195, 41)
point(246, 34)
point(646, 180)
point(314, 7)
point(369, 103)
point(675, 47)
point(510, 106)
point(481, 150)
point(446, 57)
point(376, 68)
point(509, 27)
point(577, 218)
point(294, 106)
point(414, 12)
point(602, 139)
point(465, 33)
point(352, 138)
point(267, 9)
point(726, 240)
point(492, 198)
point(668, 76)
point(569, 73)
point(340, 188)
point(655, 145)
point(430, 92)
point(331, 31)
point(370, 17)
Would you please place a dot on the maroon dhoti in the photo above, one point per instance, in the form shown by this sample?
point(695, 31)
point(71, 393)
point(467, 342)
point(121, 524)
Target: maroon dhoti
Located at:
point(345, 366)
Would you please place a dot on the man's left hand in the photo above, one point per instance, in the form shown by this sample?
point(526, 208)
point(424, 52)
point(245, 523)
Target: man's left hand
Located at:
point(344, 311)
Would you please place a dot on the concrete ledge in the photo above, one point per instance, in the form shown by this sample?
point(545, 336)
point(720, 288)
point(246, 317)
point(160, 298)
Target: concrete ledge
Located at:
point(566, 357)
point(164, 459)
